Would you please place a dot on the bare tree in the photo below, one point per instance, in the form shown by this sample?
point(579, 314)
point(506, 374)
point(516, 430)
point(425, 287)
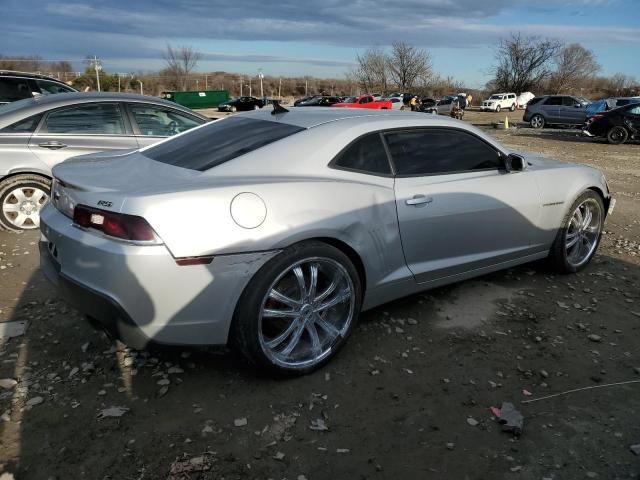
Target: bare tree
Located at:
point(408, 64)
point(180, 62)
point(371, 71)
point(523, 63)
point(575, 66)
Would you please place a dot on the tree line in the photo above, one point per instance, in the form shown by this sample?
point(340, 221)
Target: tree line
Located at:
point(522, 63)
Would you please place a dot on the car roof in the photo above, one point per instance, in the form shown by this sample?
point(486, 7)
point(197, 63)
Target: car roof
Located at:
point(312, 117)
point(43, 103)
point(16, 73)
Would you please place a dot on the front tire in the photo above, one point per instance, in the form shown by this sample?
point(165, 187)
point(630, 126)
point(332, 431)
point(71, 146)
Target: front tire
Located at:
point(234, 109)
point(513, 107)
point(21, 198)
point(498, 109)
point(617, 135)
point(578, 239)
point(298, 310)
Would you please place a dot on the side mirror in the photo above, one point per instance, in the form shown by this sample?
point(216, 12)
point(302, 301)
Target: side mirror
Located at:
point(515, 163)
point(578, 105)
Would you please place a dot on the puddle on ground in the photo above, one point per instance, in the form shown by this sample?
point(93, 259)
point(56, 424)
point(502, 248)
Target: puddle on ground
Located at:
point(470, 304)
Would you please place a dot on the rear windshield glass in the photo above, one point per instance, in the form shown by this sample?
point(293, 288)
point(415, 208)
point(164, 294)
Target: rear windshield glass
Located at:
point(219, 142)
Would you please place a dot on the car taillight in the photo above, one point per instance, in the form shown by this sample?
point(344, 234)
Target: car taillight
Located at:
point(119, 225)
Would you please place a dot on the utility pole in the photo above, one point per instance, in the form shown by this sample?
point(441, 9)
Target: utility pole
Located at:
point(118, 82)
point(249, 86)
point(140, 82)
point(197, 84)
point(280, 88)
point(306, 87)
point(206, 82)
point(241, 82)
point(261, 76)
point(97, 68)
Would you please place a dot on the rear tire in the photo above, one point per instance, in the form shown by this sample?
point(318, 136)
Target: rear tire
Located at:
point(617, 135)
point(537, 121)
point(21, 198)
point(577, 239)
point(288, 333)
point(513, 107)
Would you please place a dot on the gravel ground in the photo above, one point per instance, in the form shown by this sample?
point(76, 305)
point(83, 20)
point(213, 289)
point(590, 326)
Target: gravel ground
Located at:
point(409, 397)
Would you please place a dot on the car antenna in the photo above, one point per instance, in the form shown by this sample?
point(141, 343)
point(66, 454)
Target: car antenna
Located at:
point(277, 108)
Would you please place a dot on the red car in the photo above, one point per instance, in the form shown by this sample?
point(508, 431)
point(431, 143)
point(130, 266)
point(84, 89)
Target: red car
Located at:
point(365, 101)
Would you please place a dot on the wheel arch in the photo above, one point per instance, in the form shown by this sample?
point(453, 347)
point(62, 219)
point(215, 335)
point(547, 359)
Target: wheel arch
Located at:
point(605, 199)
point(350, 252)
point(27, 171)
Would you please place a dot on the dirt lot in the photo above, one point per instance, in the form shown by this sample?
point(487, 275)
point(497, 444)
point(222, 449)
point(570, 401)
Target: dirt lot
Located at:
point(408, 397)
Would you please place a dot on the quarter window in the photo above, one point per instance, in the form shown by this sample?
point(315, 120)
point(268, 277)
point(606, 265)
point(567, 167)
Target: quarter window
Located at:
point(437, 151)
point(96, 119)
point(162, 122)
point(27, 125)
point(367, 154)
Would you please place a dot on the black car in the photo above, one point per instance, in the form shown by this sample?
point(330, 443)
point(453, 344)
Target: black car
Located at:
point(618, 125)
point(241, 104)
point(320, 101)
point(305, 99)
point(20, 85)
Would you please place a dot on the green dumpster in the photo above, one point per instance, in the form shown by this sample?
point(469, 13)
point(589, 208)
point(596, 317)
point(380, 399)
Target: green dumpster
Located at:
point(198, 99)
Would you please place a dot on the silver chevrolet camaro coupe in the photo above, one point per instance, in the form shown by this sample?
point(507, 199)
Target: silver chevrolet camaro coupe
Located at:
point(273, 230)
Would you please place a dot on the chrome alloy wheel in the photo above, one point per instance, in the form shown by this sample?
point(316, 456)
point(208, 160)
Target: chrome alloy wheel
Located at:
point(306, 311)
point(21, 207)
point(583, 232)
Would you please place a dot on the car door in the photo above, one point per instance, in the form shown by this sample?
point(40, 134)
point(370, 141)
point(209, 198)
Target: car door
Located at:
point(81, 129)
point(551, 109)
point(571, 112)
point(152, 123)
point(458, 208)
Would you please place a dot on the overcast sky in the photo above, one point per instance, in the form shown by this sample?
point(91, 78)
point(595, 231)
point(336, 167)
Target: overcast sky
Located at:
point(321, 38)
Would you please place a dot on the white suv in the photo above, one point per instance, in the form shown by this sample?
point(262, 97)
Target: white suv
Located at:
point(500, 101)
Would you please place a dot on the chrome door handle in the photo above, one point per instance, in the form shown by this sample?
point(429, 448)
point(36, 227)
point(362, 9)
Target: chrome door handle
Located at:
point(54, 145)
point(419, 200)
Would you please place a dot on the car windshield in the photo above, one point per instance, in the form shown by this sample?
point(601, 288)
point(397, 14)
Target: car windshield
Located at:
point(495, 97)
point(218, 142)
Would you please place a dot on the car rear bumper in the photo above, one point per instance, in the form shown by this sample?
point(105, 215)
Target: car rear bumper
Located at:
point(139, 294)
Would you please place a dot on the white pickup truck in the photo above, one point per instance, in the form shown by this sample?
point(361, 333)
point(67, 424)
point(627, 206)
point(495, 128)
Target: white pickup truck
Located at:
point(500, 101)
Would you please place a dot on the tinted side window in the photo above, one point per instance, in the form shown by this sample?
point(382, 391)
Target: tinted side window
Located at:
point(553, 101)
point(569, 101)
point(219, 142)
point(162, 122)
point(534, 100)
point(97, 119)
point(47, 87)
point(367, 154)
point(635, 110)
point(12, 89)
point(27, 125)
point(426, 152)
